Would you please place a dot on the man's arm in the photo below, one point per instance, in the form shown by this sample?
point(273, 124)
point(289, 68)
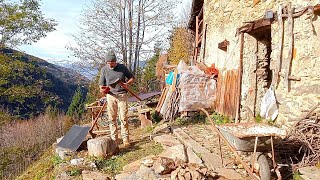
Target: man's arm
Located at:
point(102, 81)
point(130, 81)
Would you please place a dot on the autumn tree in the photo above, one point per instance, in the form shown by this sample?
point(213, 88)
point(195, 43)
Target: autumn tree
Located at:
point(129, 27)
point(180, 45)
point(160, 71)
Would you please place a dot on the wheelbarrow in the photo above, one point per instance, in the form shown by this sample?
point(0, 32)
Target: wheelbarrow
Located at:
point(254, 138)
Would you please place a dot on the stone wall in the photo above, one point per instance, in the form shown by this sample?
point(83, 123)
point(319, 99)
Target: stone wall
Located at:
point(301, 95)
point(223, 17)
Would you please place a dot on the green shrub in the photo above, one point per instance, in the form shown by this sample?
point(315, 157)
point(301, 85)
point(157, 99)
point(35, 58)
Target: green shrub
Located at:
point(74, 172)
point(56, 160)
point(155, 116)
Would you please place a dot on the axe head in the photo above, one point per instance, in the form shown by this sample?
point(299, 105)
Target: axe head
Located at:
point(106, 89)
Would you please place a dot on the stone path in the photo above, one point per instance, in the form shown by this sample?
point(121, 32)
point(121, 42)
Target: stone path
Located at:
point(208, 139)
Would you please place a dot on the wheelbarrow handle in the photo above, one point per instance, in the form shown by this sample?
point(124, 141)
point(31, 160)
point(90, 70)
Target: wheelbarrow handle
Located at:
point(245, 166)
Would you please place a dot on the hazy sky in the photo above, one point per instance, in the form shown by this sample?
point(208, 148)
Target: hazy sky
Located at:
point(67, 13)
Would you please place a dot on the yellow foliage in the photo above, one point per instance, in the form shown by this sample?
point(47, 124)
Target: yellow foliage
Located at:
point(160, 72)
point(181, 45)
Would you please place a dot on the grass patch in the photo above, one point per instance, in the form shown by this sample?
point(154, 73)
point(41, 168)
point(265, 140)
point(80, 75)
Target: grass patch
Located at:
point(258, 119)
point(297, 176)
point(147, 129)
point(56, 160)
point(195, 119)
point(41, 169)
point(220, 119)
point(74, 172)
point(115, 164)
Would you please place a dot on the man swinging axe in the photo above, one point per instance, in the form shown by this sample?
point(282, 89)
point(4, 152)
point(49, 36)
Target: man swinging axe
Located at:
point(117, 100)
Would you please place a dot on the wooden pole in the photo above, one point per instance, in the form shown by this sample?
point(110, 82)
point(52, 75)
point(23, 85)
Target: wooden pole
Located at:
point(196, 41)
point(280, 47)
point(237, 120)
point(290, 55)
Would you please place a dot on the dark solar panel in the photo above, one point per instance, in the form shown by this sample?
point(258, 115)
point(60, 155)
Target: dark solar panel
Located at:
point(74, 137)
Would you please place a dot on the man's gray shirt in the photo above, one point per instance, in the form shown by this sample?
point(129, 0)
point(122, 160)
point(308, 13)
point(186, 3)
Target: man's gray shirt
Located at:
point(108, 77)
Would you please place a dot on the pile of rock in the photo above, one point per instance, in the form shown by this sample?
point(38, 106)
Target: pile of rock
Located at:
point(156, 167)
point(192, 171)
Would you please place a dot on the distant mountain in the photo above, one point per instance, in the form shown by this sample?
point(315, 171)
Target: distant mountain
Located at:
point(33, 83)
point(87, 72)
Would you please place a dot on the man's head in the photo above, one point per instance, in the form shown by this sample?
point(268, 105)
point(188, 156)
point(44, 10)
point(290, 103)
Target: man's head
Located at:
point(111, 59)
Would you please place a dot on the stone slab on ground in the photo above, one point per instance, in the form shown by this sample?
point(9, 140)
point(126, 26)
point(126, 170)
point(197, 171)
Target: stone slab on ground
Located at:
point(166, 140)
point(145, 173)
point(310, 173)
point(163, 128)
point(91, 175)
point(175, 152)
point(228, 173)
point(211, 160)
point(134, 166)
point(192, 157)
point(125, 176)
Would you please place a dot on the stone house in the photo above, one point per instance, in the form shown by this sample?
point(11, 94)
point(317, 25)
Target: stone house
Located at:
point(257, 45)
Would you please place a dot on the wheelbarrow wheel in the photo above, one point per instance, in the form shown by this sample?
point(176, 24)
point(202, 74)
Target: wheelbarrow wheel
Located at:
point(264, 168)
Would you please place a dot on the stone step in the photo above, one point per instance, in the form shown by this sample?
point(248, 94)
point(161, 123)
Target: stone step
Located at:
point(211, 160)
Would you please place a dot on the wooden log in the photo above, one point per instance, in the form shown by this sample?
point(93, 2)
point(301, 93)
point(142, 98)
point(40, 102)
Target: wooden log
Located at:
point(280, 47)
point(196, 42)
point(255, 83)
point(240, 79)
point(290, 55)
point(203, 46)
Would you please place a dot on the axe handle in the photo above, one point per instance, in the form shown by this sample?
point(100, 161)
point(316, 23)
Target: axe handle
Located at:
point(130, 91)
